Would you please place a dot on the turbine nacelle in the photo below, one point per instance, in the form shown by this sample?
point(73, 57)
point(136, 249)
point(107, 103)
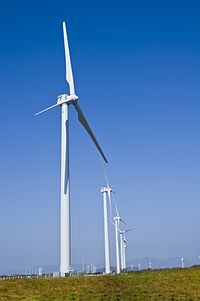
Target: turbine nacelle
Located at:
point(117, 218)
point(64, 98)
point(105, 189)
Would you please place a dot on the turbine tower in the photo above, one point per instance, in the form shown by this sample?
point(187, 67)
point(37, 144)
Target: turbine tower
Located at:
point(182, 262)
point(116, 223)
point(124, 250)
point(64, 101)
point(105, 192)
point(121, 249)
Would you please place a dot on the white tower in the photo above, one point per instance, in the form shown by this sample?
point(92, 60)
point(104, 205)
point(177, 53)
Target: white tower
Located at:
point(150, 266)
point(40, 271)
point(65, 248)
point(124, 250)
point(121, 250)
point(182, 262)
point(116, 221)
point(104, 191)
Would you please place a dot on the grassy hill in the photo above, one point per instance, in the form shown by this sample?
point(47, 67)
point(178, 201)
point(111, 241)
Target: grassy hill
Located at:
point(174, 284)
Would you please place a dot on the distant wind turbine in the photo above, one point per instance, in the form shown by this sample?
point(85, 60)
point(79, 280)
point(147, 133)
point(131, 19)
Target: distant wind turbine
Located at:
point(150, 266)
point(121, 239)
point(123, 246)
point(106, 192)
point(117, 219)
point(182, 262)
point(116, 222)
point(64, 101)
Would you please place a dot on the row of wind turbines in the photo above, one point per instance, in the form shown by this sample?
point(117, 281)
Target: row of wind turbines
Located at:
point(120, 235)
point(64, 101)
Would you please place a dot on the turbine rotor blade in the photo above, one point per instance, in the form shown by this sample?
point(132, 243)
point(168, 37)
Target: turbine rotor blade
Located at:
point(85, 124)
point(111, 222)
point(122, 221)
point(69, 74)
point(120, 231)
point(116, 209)
point(105, 174)
point(128, 230)
point(49, 108)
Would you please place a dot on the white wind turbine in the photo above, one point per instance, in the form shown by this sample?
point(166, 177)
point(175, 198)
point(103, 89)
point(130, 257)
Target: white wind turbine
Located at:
point(123, 245)
point(116, 223)
point(106, 191)
point(122, 258)
point(150, 265)
point(124, 249)
point(117, 219)
point(64, 101)
point(120, 255)
point(182, 262)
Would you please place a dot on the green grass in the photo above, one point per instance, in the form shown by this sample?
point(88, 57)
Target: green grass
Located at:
point(175, 284)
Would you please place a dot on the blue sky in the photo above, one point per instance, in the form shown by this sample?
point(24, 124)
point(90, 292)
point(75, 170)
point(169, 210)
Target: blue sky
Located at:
point(136, 67)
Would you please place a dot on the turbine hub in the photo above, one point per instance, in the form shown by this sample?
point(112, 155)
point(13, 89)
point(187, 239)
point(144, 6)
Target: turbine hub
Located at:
point(64, 98)
point(105, 189)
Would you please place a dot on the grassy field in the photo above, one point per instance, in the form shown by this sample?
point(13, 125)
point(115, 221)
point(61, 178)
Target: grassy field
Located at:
point(174, 284)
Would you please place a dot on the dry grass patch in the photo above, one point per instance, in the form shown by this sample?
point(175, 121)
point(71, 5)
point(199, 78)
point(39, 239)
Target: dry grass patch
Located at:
point(163, 285)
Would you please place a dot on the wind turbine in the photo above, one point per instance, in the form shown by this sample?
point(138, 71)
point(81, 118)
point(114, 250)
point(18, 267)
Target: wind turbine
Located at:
point(124, 249)
point(106, 192)
point(182, 262)
point(120, 255)
point(64, 101)
point(117, 220)
point(116, 223)
point(123, 246)
point(122, 239)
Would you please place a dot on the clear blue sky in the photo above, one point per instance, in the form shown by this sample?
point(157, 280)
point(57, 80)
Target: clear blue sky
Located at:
point(137, 70)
